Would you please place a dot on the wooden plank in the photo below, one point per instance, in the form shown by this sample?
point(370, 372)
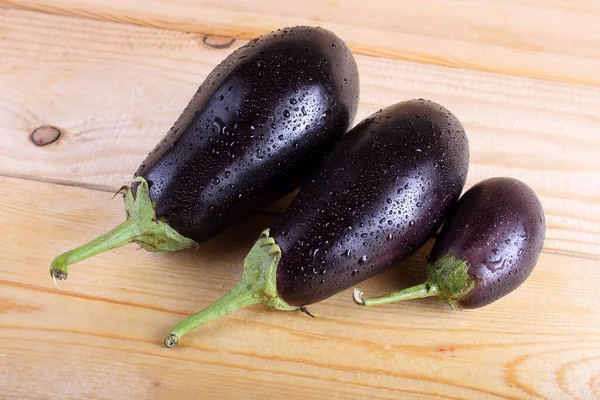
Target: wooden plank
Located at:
point(99, 335)
point(557, 41)
point(114, 90)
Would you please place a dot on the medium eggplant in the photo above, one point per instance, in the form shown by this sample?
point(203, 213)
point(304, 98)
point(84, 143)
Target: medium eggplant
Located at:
point(374, 200)
point(251, 133)
point(487, 248)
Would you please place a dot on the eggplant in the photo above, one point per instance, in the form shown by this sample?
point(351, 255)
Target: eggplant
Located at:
point(486, 249)
point(374, 200)
point(251, 133)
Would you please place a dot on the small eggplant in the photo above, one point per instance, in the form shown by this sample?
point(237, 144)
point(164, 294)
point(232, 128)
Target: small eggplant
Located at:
point(374, 200)
point(251, 133)
point(487, 248)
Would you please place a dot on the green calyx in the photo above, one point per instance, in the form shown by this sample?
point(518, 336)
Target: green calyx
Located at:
point(258, 285)
point(141, 227)
point(260, 272)
point(451, 280)
point(447, 279)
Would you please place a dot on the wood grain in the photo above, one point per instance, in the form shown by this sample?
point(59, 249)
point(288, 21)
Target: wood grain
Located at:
point(99, 335)
point(114, 90)
point(558, 41)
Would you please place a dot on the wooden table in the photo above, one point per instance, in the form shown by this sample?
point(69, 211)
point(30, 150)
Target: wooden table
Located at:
point(523, 76)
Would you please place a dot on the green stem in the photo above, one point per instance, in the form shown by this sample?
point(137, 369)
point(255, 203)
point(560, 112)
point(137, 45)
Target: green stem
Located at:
point(141, 227)
point(258, 285)
point(123, 234)
point(239, 297)
point(447, 278)
point(416, 292)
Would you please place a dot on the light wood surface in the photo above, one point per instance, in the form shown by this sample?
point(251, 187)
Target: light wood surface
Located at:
point(99, 335)
point(115, 89)
point(105, 87)
point(556, 40)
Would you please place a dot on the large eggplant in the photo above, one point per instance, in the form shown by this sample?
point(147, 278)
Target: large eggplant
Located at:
point(255, 127)
point(487, 248)
point(374, 200)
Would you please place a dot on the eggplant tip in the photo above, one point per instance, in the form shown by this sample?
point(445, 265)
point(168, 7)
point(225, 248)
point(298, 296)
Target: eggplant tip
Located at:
point(357, 295)
point(58, 274)
point(305, 311)
point(171, 341)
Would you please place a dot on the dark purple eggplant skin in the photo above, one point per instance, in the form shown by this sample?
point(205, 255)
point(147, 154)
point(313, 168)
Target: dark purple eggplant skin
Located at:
point(498, 228)
point(374, 200)
point(254, 129)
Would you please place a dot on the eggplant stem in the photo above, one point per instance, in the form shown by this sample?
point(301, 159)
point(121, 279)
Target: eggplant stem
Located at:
point(416, 292)
point(117, 237)
point(447, 278)
point(258, 285)
point(141, 227)
point(239, 297)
